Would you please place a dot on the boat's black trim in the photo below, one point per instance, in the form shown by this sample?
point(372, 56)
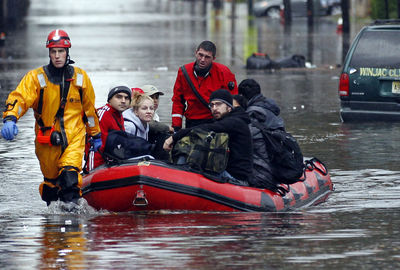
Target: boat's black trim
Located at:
point(267, 205)
point(162, 184)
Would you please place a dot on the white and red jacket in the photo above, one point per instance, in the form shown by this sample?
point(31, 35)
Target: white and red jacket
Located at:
point(110, 119)
point(184, 101)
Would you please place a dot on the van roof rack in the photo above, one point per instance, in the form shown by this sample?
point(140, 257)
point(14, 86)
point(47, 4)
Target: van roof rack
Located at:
point(386, 21)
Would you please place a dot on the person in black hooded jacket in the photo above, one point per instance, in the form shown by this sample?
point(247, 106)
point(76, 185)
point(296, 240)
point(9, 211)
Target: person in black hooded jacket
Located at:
point(266, 112)
point(234, 122)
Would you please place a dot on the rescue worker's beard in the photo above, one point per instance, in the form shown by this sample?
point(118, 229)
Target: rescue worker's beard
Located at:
point(201, 72)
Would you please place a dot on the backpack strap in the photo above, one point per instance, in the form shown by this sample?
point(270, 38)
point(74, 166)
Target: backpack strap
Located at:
point(63, 96)
point(64, 89)
point(197, 94)
point(310, 165)
point(264, 134)
point(118, 124)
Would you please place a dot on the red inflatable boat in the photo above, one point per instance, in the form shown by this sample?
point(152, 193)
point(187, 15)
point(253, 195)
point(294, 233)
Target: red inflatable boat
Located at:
point(155, 185)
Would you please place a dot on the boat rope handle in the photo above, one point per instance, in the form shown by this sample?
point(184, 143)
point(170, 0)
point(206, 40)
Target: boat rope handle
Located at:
point(310, 165)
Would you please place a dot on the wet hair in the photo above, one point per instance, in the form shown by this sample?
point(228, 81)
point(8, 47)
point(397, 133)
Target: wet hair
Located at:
point(249, 88)
point(138, 99)
point(208, 46)
point(241, 100)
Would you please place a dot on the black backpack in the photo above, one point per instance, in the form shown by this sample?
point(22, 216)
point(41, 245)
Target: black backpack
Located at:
point(287, 163)
point(121, 145)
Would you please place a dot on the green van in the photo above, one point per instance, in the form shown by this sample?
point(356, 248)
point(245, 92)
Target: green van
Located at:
point(369, 86)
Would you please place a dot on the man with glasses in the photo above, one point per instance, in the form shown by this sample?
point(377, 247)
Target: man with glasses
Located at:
point(234, 122)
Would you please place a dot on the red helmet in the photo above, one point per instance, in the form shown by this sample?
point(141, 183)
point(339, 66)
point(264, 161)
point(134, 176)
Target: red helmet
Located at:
point(58, 39)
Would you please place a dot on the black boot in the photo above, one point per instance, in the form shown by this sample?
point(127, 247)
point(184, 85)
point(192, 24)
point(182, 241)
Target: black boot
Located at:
point(69, 186)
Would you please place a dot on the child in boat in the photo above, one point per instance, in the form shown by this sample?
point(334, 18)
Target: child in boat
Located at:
point(138, 117)
point(110, 118)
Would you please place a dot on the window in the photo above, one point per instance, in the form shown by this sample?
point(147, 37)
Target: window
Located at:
point(377, 48)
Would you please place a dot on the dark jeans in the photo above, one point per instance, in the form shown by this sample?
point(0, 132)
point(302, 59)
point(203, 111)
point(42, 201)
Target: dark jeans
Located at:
point(232, 180)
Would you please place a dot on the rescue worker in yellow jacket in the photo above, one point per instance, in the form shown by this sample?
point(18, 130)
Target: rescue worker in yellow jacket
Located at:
point(62, 98)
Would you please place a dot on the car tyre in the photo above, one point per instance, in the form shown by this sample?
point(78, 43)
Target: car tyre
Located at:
point(273, 12)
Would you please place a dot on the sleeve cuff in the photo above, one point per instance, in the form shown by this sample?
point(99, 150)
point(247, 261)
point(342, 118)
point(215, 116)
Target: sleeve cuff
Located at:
point(97, 136)
point(10, 118)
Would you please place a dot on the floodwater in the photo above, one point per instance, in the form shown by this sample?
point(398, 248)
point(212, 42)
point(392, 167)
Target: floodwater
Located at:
point(144, 42)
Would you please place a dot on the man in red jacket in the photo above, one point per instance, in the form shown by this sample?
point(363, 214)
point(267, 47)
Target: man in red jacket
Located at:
point(193, 89)
point(110, 117)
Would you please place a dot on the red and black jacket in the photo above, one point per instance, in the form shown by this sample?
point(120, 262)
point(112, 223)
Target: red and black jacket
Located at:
point(110, 119)
point(184, 101)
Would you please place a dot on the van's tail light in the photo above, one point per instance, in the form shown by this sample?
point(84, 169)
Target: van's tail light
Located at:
point(344, 85)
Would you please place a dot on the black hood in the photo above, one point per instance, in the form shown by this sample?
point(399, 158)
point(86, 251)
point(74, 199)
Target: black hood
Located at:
point(239, 112)
point(266, 111)
point(55, 75)
point(261, 101)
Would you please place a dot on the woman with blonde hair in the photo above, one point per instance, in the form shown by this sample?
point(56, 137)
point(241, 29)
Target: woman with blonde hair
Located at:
point(137, 118)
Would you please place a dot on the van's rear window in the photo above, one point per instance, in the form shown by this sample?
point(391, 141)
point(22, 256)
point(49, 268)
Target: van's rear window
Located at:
point(380, 49)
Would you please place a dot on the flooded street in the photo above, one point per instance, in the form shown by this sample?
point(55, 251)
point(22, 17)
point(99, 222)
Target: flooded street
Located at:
point(145, 42)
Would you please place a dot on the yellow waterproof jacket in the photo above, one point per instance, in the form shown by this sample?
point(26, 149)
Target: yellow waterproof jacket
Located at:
point(38, 92)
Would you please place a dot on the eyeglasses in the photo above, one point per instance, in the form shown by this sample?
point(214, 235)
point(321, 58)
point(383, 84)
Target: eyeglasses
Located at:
point(215, 103)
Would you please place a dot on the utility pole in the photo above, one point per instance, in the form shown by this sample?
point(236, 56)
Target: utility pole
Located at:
point(344, 5)
point(204, 12)
point(233, 31)
point(386, 9)
point(3, 18)
point(310, 12)
point(250, 7)
point(398, 8)
point(288, 11)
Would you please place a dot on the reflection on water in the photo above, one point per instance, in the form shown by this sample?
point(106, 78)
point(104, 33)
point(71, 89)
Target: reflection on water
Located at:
point(364, 189)
point(141, 42)
point(202, 240)
point(62, 242)
point(370, 145)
